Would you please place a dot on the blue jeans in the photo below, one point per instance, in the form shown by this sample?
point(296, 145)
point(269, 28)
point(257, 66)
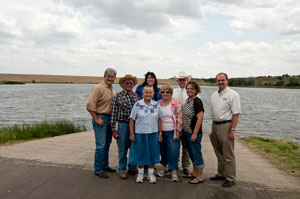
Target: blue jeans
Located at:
point(103, 136)
point(123, 146)
point(169, 150)
point(194, 149)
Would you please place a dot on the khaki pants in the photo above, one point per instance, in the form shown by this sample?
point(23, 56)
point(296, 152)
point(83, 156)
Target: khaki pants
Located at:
point(224, 150)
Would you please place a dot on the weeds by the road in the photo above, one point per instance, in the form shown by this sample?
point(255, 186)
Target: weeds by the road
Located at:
point(38, 130)
point(284, 153)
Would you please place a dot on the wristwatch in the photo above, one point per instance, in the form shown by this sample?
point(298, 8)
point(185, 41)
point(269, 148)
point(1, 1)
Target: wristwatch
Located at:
point(232, 129)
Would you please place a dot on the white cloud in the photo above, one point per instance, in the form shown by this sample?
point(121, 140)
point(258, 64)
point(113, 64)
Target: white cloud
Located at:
point(251, 58)
point(147, 15)
point(9, 30)
point(84, 37)
point(282, 17)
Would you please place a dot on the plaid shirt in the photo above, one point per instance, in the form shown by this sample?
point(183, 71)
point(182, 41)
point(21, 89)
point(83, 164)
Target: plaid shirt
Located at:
point(116, 112)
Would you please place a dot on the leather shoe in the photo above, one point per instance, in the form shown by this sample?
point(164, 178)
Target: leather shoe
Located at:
point(123, 175)
point(108, 169)
point(216, 178)
point(228, 183)
point(101, 175)
point(132, 172)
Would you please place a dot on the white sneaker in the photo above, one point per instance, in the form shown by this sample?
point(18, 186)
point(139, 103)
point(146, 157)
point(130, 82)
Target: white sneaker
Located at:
point(163, 173)
point(174, 177)
point(139, 178)
point(152, 178)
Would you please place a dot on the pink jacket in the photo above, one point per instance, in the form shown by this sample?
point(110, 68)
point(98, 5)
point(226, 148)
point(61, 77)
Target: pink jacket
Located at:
point(177, 115)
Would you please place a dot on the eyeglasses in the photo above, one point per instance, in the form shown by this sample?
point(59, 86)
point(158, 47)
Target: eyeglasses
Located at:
point(168, 92)
point(182, 80)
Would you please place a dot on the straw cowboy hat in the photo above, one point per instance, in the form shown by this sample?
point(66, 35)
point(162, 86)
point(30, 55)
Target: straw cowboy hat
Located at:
point(127, 77)
point(183, 75)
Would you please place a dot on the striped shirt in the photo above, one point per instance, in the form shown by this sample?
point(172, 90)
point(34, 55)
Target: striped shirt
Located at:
point(190, 111)
point(120, 109)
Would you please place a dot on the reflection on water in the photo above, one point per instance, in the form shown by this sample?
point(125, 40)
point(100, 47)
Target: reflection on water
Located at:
point(273, 113)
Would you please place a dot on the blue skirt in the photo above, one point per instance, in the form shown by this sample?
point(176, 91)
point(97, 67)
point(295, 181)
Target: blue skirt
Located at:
point(145, 149)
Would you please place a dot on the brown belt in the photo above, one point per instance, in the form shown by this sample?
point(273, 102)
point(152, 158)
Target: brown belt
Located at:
point(104, 114)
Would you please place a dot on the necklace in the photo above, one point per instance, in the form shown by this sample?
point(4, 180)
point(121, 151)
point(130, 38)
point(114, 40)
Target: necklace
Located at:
point(191, 99)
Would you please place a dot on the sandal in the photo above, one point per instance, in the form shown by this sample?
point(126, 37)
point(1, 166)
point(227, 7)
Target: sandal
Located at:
point(196, 181)
point(188, 175)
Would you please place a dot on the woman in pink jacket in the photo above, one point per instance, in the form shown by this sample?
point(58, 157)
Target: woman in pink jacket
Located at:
point(171, 130)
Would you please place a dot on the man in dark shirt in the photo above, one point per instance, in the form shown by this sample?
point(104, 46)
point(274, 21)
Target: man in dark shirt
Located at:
point(120, 111)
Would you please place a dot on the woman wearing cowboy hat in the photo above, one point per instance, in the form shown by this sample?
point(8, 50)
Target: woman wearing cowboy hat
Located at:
point(120, 111)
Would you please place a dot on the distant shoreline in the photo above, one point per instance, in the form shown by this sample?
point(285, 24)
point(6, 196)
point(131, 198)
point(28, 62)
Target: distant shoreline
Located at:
point(32, 78)
point(67, 79)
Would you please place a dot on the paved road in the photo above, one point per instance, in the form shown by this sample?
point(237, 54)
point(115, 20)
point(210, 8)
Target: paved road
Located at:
point(61, 167)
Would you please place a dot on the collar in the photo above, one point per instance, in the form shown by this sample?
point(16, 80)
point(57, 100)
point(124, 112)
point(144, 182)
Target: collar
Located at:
point(126, 92)
point(142, 102)
point(223, 91)
point(105, 85)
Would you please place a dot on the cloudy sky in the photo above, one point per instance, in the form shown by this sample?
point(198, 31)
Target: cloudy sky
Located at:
point(202, 37)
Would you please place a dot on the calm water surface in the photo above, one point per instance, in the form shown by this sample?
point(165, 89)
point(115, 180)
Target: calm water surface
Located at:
point(272, 113)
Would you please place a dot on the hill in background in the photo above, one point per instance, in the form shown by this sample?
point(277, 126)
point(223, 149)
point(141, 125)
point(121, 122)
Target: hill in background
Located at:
point(284, 81)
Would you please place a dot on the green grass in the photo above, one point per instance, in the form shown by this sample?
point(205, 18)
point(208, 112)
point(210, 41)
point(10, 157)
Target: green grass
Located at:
point(284, 153)
point(38, 130)
point(11, 82)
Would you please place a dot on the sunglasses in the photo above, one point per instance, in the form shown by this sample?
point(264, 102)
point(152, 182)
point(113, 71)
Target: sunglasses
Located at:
point(165, 92)
point(129, 83)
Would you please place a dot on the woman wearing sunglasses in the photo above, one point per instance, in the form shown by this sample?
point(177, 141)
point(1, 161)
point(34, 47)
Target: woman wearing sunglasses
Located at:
point(171, 129)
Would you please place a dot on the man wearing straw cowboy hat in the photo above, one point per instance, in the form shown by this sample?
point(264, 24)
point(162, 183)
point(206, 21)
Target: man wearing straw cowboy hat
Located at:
point(180, 95)
point(120, 111)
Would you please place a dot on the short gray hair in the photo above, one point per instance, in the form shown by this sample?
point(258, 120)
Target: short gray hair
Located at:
point(110, 72)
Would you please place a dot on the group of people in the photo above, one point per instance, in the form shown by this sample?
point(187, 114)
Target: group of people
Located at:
point(150, 122)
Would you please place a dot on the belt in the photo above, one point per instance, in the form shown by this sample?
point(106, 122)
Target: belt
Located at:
point(104, 114)
point(123, 121)
point(222, 122)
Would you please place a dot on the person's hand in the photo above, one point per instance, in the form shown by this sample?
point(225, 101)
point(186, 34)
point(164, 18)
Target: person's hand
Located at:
point(100, 121)
point(132, 138)
point(231, 135)
point(194, 137)
point(160, 137)
point(177, 136)
point(115, 134)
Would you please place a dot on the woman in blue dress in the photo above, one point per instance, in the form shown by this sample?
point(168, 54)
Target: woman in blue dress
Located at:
point(145, 126)
point(150, 80)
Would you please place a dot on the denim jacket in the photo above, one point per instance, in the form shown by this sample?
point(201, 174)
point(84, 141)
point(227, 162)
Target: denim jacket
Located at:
point(177, 115)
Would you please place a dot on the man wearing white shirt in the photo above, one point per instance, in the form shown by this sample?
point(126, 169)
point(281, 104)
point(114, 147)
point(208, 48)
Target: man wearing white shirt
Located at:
point(180, 95)
point(225, 109)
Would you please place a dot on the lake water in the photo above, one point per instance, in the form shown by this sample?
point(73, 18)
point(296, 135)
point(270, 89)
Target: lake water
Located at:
point(272, 113)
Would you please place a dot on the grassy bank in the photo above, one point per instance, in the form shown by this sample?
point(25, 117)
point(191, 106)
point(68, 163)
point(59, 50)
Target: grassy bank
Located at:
point(11, 82)
point(38, 130)
point(284, 153)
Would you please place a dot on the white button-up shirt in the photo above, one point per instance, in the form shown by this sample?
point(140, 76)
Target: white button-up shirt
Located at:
point(224, 104)
point(176, 93)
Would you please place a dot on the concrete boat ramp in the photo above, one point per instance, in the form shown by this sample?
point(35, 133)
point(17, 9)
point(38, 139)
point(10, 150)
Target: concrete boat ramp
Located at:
point(62, 167)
